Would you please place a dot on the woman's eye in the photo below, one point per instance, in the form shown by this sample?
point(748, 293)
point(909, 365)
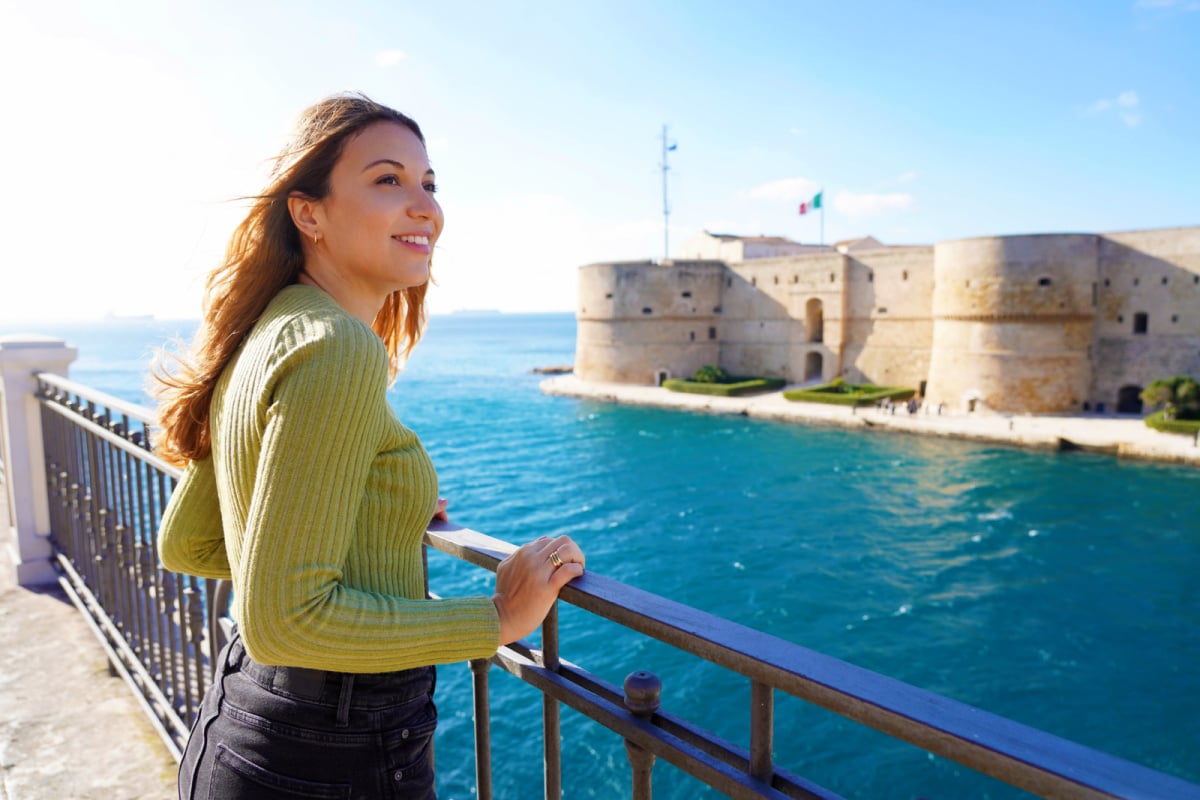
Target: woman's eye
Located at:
point(431, 188)
point(389, 179)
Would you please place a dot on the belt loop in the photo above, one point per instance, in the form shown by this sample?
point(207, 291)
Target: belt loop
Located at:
point(343, 712)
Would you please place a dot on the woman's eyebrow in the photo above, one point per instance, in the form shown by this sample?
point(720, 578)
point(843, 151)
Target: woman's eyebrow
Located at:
point(393, 162)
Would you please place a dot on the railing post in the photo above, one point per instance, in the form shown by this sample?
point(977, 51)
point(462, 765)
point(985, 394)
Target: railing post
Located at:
point(551, 717)
point(762, 730)
point(642, 691)
point(27, 529)
point(483, 729)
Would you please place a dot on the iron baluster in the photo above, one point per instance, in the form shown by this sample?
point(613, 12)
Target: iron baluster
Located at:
point(483, 728)
point(762, 730)
point(642, 697)
point(551, 713)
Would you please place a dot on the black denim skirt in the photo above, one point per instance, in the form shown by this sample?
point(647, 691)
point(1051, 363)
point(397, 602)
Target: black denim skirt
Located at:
point(284, 732)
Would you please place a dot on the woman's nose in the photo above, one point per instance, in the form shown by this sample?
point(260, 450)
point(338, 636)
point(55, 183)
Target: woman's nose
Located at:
point(423, 206)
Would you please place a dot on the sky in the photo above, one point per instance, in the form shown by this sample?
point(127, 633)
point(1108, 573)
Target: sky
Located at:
point(131, 128)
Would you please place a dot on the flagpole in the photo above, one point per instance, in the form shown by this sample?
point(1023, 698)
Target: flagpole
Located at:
point(666, 208)
point(822, 196)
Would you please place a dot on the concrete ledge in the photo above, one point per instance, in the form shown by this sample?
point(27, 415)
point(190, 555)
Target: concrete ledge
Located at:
point(1121, 436)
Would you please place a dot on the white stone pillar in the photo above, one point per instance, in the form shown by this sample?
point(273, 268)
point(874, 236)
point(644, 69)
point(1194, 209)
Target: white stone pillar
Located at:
point(27, 528)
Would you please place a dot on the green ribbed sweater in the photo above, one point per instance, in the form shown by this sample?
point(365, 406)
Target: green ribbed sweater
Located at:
point(314, 501)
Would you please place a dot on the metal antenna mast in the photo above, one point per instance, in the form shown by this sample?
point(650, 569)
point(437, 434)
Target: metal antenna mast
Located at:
point(666, 148)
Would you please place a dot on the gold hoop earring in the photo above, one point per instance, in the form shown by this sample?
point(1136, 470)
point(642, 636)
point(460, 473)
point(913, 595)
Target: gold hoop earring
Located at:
point(316, 238)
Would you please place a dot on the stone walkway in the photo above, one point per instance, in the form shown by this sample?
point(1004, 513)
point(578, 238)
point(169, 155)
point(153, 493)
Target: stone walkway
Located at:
point(1120, 435)
point(68, 730)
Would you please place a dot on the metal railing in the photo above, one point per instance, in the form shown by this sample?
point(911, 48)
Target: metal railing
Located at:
point(108, 491)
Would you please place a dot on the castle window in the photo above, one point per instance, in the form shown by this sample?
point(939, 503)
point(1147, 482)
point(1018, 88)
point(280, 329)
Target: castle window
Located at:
point(693, 335)
point(904, 275)
point(795, 279)
point(882, 309)
point(687, 294)
point(1120, 317)
point(1043, 281)
point(728, 282)
point(1196, 279)
point(968, 283)
point(1136, 281)
point(647, 310)
point(870, 277)
point(776, 280)
point(1141, 321)
point(1174, 318)
point(712, 333)
point(754, 281)
point(608, 296)
point(831, 277)
point(1107, 282)
point(716, 309)
point(1164, 280)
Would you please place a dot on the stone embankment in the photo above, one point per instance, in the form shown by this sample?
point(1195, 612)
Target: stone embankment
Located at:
point(1119, 435)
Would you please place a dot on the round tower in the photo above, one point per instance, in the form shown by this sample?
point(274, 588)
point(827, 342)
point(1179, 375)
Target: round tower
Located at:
point(641, 322)
point(1012, 323)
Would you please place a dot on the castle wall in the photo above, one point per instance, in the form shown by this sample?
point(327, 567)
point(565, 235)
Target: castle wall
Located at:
point(638, 319)
point(1042, 323)
point(889, 325)
point(1156, 273)
point(1012, 322)
point(768, 326)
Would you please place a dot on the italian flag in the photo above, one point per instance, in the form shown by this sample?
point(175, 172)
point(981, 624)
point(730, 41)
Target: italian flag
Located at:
point(811, 205)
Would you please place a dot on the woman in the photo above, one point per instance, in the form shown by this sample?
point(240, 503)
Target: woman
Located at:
point(303, 487)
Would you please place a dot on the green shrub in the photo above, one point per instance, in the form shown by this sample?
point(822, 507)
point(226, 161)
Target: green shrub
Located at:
point(838, 392)
point(1159, 422)
point(736, 387)
point(711, 373)
point(1178, 396)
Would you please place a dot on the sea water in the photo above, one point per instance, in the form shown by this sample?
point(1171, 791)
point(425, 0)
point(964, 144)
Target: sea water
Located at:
point(1058, 590)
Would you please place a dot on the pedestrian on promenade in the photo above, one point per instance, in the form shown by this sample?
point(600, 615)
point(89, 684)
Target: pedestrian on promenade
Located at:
point(304, 489)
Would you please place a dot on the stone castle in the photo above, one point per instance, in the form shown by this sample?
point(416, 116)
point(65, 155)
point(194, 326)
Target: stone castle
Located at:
point(1045, 323)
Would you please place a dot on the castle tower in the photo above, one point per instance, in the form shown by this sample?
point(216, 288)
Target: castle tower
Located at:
point(1012, 323)
point(642, 322)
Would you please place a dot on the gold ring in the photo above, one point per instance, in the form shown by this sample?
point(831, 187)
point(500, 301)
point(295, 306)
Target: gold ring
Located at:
point(556, 559)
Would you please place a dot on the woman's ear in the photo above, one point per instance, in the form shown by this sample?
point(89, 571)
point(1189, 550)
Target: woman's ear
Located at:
point(304, 215)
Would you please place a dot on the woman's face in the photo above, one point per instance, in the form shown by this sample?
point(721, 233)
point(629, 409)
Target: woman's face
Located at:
point(379, 222)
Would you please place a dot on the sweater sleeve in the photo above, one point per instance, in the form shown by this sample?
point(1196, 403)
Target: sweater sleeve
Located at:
point(191, 539)
point(324, 420)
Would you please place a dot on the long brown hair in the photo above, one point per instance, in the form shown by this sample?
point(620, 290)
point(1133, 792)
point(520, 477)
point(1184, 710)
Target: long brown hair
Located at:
point(265, 255)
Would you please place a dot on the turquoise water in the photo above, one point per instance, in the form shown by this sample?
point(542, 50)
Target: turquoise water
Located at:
point(1059, 590)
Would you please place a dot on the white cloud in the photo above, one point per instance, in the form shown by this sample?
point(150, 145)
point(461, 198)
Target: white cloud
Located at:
point(1126, 105)
point(856, 204)
point(389, 58)
point(785, 189)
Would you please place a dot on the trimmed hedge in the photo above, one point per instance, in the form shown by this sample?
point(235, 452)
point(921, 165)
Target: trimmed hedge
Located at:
point(735, 388)
point(849, 394)
point(1185, 426)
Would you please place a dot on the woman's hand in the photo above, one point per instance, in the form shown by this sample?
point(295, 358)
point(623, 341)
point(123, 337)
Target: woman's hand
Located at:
point(528, 581)
point(440, 515)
